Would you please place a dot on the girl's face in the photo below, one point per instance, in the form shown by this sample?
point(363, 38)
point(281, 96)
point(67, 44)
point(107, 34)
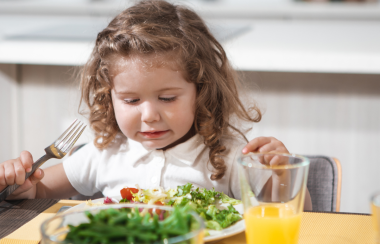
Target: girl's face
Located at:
point(154, 106)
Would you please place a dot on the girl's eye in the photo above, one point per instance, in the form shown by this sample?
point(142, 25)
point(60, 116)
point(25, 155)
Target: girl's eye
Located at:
point(167, 99)
point(131, 101)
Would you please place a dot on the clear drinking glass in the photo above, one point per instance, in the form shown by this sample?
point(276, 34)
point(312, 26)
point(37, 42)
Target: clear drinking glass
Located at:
point(273, 189)
point(54, 230)
point(375, 209)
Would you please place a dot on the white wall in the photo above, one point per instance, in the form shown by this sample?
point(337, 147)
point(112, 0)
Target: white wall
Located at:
point(9, 137)
point(336, 115)
point(47, 101)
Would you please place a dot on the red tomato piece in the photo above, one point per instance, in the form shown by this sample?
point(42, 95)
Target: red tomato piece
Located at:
point(126, 193)
point(157, 211)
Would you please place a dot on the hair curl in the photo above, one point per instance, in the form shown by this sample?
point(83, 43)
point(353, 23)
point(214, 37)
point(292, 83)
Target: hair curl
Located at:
point(158, 27)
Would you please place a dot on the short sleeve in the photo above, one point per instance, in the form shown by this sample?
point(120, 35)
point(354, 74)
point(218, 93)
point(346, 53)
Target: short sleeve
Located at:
point(81, 169)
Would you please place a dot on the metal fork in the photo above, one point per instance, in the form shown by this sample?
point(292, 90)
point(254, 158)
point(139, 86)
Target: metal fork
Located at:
point(58, 149)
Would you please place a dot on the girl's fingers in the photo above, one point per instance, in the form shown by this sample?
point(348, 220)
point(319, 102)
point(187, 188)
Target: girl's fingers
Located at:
point(255, 144)
point(268, 159)
point(30, 182)
point(27, 160)
point(37, 176)
point(279, 160)
point(270, 147)
point(23, 188)
point(9, 173)
point(274, 146)
point(2, 177)
point(19, 172)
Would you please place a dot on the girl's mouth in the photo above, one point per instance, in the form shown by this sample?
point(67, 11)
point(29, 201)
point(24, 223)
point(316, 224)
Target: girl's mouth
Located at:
point(154, 134)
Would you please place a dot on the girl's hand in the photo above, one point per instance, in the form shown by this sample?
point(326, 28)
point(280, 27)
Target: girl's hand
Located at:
point(13, 171)
point(264, 145)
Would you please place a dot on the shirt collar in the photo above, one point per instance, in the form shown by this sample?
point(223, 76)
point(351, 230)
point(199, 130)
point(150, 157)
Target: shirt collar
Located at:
point(189, 150)
point(185, 152)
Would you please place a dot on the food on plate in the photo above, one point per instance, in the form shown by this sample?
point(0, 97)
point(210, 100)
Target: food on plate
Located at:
point(216, 208)
point(132, 225)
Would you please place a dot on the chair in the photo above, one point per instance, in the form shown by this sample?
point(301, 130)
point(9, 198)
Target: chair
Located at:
point(324, 183)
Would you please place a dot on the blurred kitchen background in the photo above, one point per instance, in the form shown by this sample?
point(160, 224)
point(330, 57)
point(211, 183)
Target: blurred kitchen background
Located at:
point(312, 66)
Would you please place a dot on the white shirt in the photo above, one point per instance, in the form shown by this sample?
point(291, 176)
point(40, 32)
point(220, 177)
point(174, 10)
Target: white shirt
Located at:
point(128, 163)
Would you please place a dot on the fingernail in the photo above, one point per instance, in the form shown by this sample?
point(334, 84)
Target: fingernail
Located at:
point(245, 150)
point(28, 169)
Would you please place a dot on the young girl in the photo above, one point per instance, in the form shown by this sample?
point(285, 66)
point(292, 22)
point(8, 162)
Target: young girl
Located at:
point(161, 96)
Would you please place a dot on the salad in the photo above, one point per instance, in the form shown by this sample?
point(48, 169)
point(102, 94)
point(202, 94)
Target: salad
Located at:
point(216, 208)
point(132, 225)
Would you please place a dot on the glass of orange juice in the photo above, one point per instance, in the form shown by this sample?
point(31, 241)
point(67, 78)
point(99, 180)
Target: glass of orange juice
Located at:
point(273, 189)
point(375, 209)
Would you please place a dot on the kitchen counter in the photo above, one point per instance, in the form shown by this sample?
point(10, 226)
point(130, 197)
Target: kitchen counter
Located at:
point(287, 37)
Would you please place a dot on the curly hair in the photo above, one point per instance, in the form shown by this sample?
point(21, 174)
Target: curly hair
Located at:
point(159, 27)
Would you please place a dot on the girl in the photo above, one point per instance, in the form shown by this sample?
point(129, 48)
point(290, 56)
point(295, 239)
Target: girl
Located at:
point(161, 96)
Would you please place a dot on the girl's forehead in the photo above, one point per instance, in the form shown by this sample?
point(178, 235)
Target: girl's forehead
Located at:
point(144, 63)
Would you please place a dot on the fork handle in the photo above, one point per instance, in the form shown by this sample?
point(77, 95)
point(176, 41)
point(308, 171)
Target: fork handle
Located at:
point(11, 188)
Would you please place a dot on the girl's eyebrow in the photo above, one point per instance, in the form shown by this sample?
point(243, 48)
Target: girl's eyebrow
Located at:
point(160, 90)
point(170, 88)
point(124, 92)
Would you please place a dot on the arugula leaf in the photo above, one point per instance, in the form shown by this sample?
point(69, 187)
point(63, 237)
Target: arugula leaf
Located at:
point(124, 200)
point(183, 190)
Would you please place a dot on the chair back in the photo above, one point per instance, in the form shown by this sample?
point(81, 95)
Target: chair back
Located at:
point(324, 183)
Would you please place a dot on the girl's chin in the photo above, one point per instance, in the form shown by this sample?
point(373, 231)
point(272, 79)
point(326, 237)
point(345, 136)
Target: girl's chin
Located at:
point(154, 144)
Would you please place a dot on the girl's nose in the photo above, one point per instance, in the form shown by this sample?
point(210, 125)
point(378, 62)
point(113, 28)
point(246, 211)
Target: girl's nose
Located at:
point(149, 113)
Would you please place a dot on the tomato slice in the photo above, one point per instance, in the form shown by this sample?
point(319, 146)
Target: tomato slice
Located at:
point(126, 193)
point(157, 211)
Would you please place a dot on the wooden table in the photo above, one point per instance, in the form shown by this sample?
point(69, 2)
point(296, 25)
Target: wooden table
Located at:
point(316, 227)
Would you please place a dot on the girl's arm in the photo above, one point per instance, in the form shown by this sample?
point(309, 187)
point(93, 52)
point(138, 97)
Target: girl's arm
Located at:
point(273, 186)
point(55, 184)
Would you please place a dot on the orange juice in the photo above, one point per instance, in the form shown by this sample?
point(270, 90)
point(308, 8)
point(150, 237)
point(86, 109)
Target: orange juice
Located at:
point(272, 225)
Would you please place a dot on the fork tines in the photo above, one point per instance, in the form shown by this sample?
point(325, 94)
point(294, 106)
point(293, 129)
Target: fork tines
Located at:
point(68, 138)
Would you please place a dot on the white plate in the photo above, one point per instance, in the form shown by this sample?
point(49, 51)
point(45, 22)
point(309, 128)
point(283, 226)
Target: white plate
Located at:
point(214, 235)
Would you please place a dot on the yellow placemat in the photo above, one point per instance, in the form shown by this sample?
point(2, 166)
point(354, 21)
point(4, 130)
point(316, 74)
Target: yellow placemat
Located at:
point(30, 232)
point(334, 228)
point(327, 228)
point(321, 228)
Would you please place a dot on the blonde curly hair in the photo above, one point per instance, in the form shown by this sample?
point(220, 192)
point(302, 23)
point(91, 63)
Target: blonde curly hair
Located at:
point(159, 27)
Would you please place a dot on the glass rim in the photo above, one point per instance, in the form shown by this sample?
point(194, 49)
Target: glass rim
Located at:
point(374, 196)
point(305, 161)
point(130, 205)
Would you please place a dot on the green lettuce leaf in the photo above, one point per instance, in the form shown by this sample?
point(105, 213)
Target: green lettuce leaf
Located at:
point(183, 190)
point(227, 199)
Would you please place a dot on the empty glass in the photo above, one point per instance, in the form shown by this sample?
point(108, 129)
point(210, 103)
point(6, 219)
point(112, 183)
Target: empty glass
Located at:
point(273, 189)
